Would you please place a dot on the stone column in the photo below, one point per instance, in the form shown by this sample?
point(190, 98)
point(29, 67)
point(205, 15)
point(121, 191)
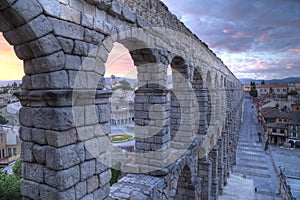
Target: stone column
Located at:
point(205, 173)
point(152, 133)
point(152, 111)
point(63, 143)
point(187, 111)
point(225, 156)
point(214, 157)
point(220, 165)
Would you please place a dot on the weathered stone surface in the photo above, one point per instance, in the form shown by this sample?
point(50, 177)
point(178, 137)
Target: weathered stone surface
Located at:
point(53, 62)
point(4, 24)
point(67, 29)
point(80, 189)
point(38, 136)
point(52, 80)
point(64, 179)
point(104, 177)
point(87, 169)
point(69, 14)
point(92, 183)
point(60, 139)
point(93, 36)
point(59, 119)
point(39, 153)
point(25, 133)
point(102, 192)
point(66, 44)
point(87, 20)
point(27, 151)
point(29, 31)
point(128, 15)
point(33, 172)
point(103, 113)
point(51, 7)
point(27, 9)
point(30, 189)
point(56, 158)
point(45, 46)
point(81, 48)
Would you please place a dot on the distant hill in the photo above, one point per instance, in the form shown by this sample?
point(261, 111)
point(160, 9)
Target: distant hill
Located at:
point(285, 80)
point(5, 83)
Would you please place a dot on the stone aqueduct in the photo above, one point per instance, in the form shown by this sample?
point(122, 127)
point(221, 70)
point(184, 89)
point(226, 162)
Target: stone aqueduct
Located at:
point(185, 137)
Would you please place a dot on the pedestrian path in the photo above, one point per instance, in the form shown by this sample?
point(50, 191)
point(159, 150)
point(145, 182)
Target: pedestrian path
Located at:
point(253, 160)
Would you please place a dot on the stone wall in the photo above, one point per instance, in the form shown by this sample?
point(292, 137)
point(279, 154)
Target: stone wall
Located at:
point(185, 146)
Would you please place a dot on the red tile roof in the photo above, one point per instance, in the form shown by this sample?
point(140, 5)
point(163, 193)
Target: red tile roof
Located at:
point(274, 85)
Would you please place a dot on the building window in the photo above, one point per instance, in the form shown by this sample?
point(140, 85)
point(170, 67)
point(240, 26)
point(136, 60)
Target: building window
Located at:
point(274, 130)
point(280, 120)
point(278, 90)
point(281, 131)
point(9, 152)
point(284, 90)
point(295, 134)
point(15, 151)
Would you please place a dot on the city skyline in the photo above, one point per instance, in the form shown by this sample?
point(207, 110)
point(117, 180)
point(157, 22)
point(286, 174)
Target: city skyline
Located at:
point(254, 39)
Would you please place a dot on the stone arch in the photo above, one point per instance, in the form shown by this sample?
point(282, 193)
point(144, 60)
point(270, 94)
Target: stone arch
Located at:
point(183, 183)
point(179, 76)
point(184, 105)
point(209, 97)
point(201, 93)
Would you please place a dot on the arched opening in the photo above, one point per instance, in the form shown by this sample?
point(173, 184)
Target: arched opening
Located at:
point(121, 78)
point(209, 98)
point(11, 73)
point(184, 185)
point(184, 105)
point(201, 93)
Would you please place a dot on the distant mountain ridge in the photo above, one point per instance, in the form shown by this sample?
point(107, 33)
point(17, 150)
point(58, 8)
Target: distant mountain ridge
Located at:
point(282, 81)
point(131, 80)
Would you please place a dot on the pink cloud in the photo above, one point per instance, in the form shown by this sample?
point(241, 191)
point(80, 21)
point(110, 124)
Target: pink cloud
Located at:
point(239, 35)
point(264, 37)
point(297, 50)
point(226, 31)
point(290, 65)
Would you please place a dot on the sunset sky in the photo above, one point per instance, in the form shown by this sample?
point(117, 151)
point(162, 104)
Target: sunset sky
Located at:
point(257, 39)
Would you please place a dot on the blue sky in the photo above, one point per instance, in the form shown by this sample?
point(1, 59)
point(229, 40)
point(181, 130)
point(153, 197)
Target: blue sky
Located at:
point(257, 39)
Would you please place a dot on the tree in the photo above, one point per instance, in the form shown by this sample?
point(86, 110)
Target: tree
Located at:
point(10, 183)
point(115, 173)
point(125, 85)
point(3, 120)
point(292, 93)
point(262, 82)
point(271, 90)
point(253, 91)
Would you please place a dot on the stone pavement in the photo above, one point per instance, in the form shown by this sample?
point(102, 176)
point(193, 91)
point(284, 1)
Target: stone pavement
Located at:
point(253, 160)
point(236, 184)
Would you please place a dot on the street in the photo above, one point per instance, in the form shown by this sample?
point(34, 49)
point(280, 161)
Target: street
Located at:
point(252, 159)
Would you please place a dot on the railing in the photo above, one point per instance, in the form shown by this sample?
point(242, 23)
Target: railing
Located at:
point(284, 188)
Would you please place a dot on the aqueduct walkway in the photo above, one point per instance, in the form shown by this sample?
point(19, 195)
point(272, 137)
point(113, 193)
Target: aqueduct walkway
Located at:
point(185, 144)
